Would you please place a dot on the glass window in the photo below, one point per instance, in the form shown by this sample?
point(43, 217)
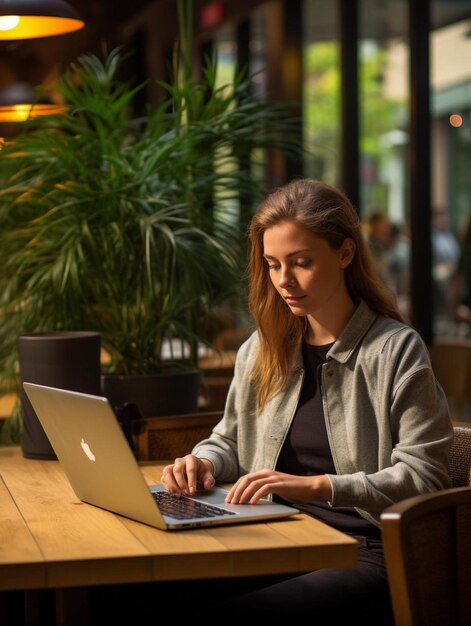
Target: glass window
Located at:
point(321, 90)
point(384, 94)
point(450, 76)
point(225, 49)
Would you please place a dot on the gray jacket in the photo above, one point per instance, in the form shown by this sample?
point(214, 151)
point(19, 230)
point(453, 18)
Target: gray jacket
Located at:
point(386, 415)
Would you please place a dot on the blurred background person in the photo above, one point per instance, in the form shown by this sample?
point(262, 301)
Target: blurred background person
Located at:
point(399, 266)
point(378, 235)
point(445, 257)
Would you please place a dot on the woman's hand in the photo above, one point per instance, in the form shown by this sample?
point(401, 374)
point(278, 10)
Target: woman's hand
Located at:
point(182, 476)
point(251, 487)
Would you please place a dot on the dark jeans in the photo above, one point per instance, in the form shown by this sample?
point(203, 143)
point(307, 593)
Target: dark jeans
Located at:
point(327, 596)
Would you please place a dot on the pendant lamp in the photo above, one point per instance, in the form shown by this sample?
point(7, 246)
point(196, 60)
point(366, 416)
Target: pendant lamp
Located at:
point(28, 19)
point(18, 103)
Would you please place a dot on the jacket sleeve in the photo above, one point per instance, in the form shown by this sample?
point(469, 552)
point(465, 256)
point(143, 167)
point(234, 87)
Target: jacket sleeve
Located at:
point(416, 422)
point(221, 447)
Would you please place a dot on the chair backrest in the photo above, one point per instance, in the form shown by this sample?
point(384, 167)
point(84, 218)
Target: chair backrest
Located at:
point(427, 546)
point(451, 362)
point(167, 437)
point(459, 463)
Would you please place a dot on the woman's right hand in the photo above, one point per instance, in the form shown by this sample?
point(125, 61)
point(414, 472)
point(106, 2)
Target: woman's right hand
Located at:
point(186, 473)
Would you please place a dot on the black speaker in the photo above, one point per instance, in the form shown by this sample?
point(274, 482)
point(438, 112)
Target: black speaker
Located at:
point(64, 359)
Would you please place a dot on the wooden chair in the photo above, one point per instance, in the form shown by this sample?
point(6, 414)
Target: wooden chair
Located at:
point(451, 362)
point(459, 463)
point(217, 374)
point(215, 385)
point(167, 437)
point(427, 546)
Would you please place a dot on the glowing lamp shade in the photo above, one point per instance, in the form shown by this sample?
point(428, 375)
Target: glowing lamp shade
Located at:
point(28, 19)
point(19, 103)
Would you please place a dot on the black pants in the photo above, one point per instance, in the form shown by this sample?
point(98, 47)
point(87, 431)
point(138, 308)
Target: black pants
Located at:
point(327, 596)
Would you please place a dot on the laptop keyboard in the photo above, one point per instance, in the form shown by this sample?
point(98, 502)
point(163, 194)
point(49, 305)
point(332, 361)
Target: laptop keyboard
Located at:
point(181, 507)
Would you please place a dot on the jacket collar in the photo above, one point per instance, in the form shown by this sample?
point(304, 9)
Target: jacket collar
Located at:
point(356, 328)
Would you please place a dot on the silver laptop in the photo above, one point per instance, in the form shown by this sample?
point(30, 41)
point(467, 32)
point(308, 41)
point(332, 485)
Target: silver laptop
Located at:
point(102, 470)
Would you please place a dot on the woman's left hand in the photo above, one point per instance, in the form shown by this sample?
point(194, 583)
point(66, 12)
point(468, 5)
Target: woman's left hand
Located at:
point(251, 487)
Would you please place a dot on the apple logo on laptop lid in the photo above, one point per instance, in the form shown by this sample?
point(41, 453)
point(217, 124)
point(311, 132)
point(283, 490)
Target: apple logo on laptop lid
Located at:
point(86, 449)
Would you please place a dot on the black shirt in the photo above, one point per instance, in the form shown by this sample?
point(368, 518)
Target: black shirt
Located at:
point(306, 449)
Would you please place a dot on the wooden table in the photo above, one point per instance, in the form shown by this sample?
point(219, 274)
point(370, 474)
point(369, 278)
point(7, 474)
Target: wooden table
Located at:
point(49, 539)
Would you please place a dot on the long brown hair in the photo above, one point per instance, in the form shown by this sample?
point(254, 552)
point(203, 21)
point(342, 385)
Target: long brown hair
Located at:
point(328, 214)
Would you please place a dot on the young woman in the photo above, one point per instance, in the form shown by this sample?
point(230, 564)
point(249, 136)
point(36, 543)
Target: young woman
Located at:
point(333, 407)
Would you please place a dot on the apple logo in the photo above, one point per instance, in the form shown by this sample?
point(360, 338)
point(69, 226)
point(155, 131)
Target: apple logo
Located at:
point(86, 449)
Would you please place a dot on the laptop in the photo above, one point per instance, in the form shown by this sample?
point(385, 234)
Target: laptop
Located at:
point(102, 470)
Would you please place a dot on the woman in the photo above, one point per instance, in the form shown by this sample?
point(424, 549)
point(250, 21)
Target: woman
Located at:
point(333, 407)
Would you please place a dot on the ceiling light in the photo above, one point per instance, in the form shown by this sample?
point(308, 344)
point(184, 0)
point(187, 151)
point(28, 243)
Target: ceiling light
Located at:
point(19, 103)
point(28, 19)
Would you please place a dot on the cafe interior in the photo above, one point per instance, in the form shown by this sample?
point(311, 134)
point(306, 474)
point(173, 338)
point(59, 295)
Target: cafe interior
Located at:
point(372, 96)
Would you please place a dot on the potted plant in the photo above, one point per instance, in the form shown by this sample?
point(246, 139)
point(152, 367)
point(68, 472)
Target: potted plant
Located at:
point(127, 225)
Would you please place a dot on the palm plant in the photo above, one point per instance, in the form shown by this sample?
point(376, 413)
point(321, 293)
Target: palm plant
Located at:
point(129, 226)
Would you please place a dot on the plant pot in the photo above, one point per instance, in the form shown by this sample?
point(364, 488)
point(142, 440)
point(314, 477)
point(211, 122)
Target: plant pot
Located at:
point(167, 393)
point(64, 359)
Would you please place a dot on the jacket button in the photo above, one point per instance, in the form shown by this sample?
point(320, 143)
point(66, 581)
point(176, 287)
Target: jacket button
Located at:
point(330, 372)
